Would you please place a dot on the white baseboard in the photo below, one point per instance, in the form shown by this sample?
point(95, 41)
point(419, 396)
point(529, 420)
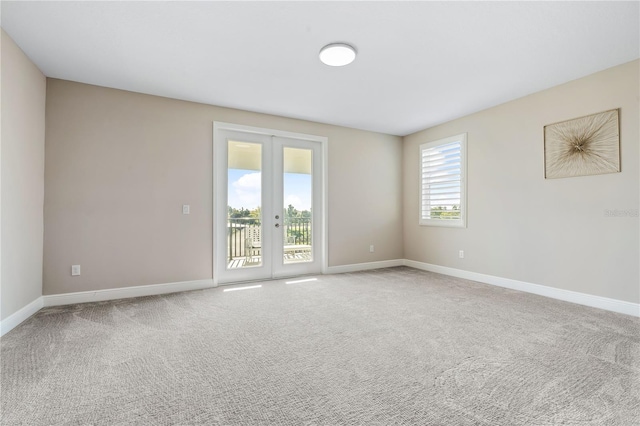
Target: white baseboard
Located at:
point(125, 292)
point(355, 267)
point(605, 303)
point(13, 320)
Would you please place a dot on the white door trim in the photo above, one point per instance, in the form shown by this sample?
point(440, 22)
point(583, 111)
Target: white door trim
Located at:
point(218, 127)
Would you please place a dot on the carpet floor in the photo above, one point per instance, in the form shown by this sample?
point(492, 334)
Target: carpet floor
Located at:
point(396, 346)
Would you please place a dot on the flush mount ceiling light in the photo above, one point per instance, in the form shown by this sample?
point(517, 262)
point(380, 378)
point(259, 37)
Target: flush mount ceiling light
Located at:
point(337, 54)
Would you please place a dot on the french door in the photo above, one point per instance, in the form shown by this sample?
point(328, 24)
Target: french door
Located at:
point(268, 205)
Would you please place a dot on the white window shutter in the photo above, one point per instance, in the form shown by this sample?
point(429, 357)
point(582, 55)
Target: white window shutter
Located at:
point(443, 182)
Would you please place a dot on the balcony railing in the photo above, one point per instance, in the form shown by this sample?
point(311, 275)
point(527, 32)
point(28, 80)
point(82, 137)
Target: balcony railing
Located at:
point(297, 231)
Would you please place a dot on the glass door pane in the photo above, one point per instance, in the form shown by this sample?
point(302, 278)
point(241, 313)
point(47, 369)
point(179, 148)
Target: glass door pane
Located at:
point(297, 210)
point(244, 210)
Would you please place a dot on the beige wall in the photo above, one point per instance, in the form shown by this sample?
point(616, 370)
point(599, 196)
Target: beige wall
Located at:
point(22, 165)
point(119, 166)
point(523, 227)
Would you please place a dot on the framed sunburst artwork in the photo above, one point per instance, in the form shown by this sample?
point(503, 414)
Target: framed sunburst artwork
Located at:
point(588, 145)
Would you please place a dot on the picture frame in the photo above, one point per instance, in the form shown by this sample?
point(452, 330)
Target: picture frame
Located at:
point(584, 146)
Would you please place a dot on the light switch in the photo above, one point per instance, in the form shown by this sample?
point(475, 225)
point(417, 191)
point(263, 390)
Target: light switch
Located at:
point(75, 270)
point(186, 209)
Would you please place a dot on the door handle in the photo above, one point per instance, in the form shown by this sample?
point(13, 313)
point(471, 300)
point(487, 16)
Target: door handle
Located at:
point(277, 225)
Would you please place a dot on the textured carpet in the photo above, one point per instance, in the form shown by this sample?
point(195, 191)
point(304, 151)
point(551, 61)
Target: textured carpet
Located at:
point(389, 347)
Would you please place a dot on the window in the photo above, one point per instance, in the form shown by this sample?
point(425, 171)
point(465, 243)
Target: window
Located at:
point(443, 182)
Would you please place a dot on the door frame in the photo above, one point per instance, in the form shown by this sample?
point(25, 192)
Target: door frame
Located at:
point(218, 128)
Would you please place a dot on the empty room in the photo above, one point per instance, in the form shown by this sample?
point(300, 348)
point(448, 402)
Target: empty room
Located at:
point(320, 213)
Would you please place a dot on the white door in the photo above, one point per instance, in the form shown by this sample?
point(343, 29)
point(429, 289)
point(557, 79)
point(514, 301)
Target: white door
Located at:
point(268, 206)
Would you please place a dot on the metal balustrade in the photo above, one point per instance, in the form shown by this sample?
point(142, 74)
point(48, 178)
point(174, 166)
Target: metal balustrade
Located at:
point(297, 231)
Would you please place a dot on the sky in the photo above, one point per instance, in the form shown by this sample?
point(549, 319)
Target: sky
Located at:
point(244, 189)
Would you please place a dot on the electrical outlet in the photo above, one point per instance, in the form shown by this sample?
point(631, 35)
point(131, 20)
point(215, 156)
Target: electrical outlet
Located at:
point(461, 254)
point(75, 270)
point(371, 248)
point(186, 209)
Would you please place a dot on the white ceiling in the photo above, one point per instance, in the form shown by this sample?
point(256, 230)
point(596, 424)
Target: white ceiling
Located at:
point(419, 63)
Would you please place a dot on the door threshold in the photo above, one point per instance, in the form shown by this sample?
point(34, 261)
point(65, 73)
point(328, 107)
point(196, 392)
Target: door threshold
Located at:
point(266, 280)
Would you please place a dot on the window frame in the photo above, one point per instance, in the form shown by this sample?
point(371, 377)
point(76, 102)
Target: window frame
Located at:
point(456, 223)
